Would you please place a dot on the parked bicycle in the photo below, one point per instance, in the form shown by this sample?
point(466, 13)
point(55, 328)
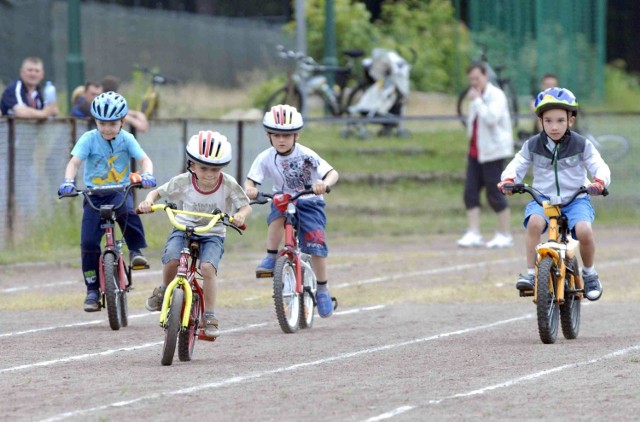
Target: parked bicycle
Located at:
point(294, 281)
point(495, 77)
point(114, 276)
point(182, 311)
point(151, 98)
point(309, 79)
point(558, 287)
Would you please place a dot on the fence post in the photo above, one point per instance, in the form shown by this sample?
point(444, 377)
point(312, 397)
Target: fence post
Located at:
point(11, 177)
point(239, 169)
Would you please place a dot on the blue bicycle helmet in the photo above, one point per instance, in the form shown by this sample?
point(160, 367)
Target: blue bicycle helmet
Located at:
point(109, 106)
point(556, 98)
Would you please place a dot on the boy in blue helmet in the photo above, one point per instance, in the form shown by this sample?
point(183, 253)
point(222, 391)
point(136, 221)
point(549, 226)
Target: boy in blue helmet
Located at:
point(107, 151)
point(561, 159)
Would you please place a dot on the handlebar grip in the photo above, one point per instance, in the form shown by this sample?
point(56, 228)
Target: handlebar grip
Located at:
point(605, 192)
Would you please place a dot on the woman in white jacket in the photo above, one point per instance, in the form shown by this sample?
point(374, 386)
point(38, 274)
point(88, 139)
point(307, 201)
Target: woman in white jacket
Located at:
point(490, 143)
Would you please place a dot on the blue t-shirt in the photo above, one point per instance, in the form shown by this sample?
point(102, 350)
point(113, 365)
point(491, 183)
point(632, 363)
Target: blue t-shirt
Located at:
point(16, 93)
point(107, 162)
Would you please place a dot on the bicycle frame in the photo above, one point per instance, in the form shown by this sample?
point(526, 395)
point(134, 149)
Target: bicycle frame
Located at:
point(113, 247)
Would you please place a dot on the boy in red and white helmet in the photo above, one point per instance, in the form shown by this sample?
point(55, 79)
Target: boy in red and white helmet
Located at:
point(292, 168)
point(203, 188)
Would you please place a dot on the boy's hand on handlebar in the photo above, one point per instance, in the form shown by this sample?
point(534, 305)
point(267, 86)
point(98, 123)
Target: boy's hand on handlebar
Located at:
point(506, 186)
point(147, 180)
point(596, 187)
point(238, 220)
point(145, 207)
point(321, 187)
point(67, 187)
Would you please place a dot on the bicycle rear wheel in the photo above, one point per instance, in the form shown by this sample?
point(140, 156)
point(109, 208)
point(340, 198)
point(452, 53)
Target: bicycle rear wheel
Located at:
point(286, 300)
point(172, 326)
point(548, 309)
point(612, 147)
point(570, 310)
point(187, 338)
point(112, 291)
point(285, 95)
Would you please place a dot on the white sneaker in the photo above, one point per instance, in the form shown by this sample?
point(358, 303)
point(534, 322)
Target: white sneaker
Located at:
point(500, 240)
point(471, 239)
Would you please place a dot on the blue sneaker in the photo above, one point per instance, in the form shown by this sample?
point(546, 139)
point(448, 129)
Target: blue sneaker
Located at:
point(265, 268)
point(324, 302)
point(91, 302)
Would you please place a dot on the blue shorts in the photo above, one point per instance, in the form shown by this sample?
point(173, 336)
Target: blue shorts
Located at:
point(311, 222)
point(211, 248)
point(578, 210)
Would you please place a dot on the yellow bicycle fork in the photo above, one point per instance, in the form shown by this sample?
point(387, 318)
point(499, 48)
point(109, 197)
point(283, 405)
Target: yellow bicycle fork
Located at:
point(168, 294)
point(558, 252)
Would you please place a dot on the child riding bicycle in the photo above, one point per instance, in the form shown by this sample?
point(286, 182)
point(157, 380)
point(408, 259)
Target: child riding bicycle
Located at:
point(292, 167)
point(107, 151)
point(561, 159)
point(203, 188)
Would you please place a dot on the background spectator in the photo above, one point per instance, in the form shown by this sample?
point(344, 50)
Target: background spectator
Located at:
point(23, 97)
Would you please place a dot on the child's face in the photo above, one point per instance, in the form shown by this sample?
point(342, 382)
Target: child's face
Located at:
point(207, 176)
point(109, 130)
point(555, 122)
point(283, 142)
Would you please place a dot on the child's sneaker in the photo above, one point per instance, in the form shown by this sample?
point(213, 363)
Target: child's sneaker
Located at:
point(592, 286)
point(211, 326)
point(525, 282)
point(92, 301)
point(137, 259)
point(265, 268)
point(154, 303)
point(324, 302)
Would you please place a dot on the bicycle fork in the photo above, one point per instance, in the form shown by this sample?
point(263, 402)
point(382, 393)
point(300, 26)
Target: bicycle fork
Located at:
point(559, 252)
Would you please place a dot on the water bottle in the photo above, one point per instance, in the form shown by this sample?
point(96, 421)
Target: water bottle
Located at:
point(49, 93)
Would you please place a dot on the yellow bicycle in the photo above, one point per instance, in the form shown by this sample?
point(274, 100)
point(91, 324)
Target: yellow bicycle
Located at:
point(558, 287)
point(182, 311)
point(151, 98)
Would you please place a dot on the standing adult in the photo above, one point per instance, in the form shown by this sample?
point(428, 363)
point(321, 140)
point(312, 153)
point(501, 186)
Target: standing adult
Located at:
point(490, 142)
point(23, 97)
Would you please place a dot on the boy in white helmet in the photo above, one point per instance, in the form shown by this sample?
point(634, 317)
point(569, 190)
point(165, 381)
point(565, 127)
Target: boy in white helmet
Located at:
point(292, 168)
point(203, 188)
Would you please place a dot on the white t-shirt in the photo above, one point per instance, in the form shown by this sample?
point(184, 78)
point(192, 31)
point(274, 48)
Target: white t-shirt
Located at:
point(227, 196)
point(290, 173)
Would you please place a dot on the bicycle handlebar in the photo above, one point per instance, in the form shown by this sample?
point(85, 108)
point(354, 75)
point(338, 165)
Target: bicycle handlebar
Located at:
point(308, 63)
point(101, 191)
point(263, 198)
point(157, 78)
point(215, 217)
point(538, 197)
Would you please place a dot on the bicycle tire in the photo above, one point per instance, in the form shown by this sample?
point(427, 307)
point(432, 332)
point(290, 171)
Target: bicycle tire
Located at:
point(547, 308)
point(124, 308)
point(149, 105)
point(172, 326)
point(613, 147)
point(355, 95)
point(285, 298)
point(284, 95)
point(307, 305)
point(187, 338)
point(112, 291)
point(570, 310)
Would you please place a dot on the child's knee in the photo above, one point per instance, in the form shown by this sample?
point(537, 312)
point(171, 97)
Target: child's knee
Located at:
point(208, 269)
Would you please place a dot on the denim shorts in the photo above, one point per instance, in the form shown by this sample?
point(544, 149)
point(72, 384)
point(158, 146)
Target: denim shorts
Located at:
point(311, 221)
point(211, 248)
point(579, 210)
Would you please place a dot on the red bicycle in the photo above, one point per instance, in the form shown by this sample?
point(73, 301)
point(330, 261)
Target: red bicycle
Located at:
point(114, 275)
point(294, 282)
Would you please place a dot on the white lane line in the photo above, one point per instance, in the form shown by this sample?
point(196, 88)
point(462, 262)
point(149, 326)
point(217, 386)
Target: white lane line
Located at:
point(428, 272)
point(395, 412)
point(514, 381)
point(145, 345)
point(261, 374)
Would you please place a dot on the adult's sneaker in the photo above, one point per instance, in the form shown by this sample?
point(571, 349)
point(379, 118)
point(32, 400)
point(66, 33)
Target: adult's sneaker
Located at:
point(471, 239)
point(592, 286)
point(500, 240)
point(324, 302)
point(92, 301)
point(154, 303)
point(525, 282)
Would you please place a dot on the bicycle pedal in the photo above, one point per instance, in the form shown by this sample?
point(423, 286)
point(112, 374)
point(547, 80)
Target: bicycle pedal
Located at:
point(525, 293)
point(140, 267)
point(264, 274)
point(202, 336)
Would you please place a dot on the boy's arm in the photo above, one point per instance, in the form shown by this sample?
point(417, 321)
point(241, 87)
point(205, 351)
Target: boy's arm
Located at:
point(250, 188)
point(329, 179)
point(148, 181)
point(241, 215)
point(152, 197)
point(72, 168)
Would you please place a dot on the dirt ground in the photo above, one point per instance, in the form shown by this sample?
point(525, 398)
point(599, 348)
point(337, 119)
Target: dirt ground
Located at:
point(424, 331)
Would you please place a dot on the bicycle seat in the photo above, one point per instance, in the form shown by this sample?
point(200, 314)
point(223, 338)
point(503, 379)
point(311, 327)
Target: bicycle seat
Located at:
point(353, 53)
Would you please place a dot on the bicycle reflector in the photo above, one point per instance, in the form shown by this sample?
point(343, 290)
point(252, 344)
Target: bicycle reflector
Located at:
point(280, 201)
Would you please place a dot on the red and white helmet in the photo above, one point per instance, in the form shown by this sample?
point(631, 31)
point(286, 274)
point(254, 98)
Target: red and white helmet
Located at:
point(282, 118)
point(209, 148)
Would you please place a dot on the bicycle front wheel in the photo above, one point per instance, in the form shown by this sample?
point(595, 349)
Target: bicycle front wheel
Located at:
point(612, 147)
point(187, 338)
point(172, 327)
point(112, 291)
point(307, 305)
point(548, 309)
point(570, 309)
point(286, 300)
point(285, 95)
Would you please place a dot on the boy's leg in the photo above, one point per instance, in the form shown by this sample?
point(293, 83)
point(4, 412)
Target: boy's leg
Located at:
point(90, 237)
point(211, 251)
point(275, 233)
point(170, 261)
point(133, 232)
point(581, 216)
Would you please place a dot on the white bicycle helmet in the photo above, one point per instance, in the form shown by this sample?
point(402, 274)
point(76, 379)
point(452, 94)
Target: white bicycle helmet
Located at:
point(109, 106)
point(209, 148)
point(282, 119)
